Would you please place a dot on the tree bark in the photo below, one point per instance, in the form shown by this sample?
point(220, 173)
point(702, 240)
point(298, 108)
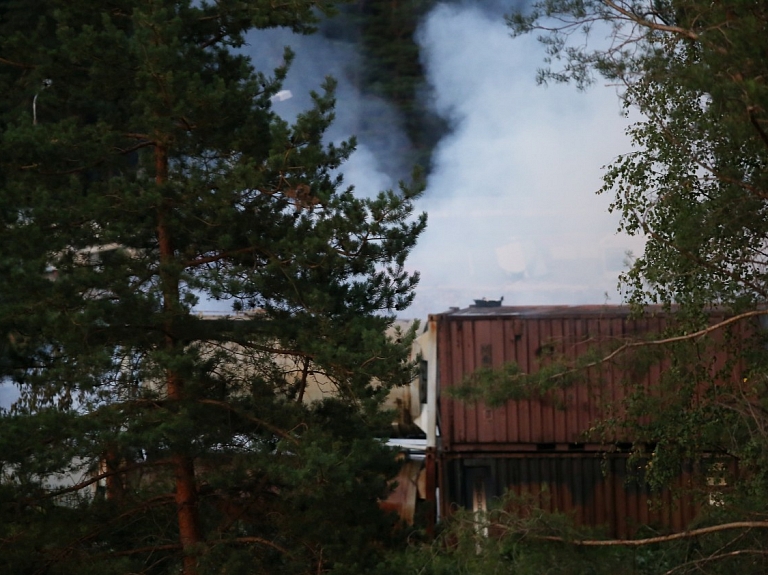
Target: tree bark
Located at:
point(114, 479)
point(190, 535)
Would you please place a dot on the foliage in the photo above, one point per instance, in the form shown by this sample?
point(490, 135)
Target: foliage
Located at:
point(695, 187)
point(696, 184)
point(143, 173)
point(554, 371)
point(523, 539)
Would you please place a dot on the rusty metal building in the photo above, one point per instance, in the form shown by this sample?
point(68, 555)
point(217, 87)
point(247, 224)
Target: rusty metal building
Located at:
point(542, 447)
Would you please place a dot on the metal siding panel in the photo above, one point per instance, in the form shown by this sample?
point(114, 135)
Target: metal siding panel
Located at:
point(469, 410)
point(573, 485)
point(546, 404)
point(617, 378)
point(643, 496)
point(458, 370)
point(559, 487)
point(655, 371)
point(620, 497)
point(590, 501)
point(443, 355)
point(525, 476)
point(678, 517)
point(571, 394)
point(533, 343)
point(581, 344)
point(523, 407)
point(559, 409)
point(665, 510)
point(600, 502)
point(458, 482)
point(499, 337)
point(574, 468)
point(566, 485)
point(594, 388)
point(575, 480)
point(483, 356)
point(633, 496)
point(445, 339)
point(514, 477)
point(534, 487)
point(502, 476)
point(512, 331)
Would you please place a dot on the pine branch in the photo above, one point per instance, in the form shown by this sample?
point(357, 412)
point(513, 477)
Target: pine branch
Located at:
point(256, 420)
point(96, 478)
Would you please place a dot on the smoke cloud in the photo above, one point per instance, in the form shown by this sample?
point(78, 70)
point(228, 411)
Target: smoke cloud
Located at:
point(383, 151)
point(511, 197)
point(511, 200)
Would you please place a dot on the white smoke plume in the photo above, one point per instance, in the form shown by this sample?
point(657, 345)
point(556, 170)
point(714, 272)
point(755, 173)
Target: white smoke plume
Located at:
point(511, 200)
point(511, 197)
point(382, 156)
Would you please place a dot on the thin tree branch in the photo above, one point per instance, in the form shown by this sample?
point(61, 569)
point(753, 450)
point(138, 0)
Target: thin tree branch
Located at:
point(217, 257)
point(16, 64)
point(303, 381)
point(639, 20)
point(177, 546)
point(697, 562)
point(666, 341)
point(256, 540)
point(250, 418)
point(756, 124)
point(651, 540)
point(147, 549)
point(95, 478)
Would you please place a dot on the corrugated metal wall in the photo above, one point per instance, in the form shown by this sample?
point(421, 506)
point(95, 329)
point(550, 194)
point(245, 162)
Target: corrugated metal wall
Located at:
point(541, 446)
point(468, 342)
point(595, 490)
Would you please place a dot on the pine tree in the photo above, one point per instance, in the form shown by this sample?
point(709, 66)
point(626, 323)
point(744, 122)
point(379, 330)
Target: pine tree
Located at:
point(142, 171)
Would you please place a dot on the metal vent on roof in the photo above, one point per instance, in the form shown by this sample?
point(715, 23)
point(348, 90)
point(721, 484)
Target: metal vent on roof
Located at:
point(488, 302)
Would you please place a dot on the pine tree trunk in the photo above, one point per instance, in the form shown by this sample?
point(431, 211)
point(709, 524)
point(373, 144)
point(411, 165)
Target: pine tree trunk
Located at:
point(186, 506)
point(115, 490)
point(184, 470)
